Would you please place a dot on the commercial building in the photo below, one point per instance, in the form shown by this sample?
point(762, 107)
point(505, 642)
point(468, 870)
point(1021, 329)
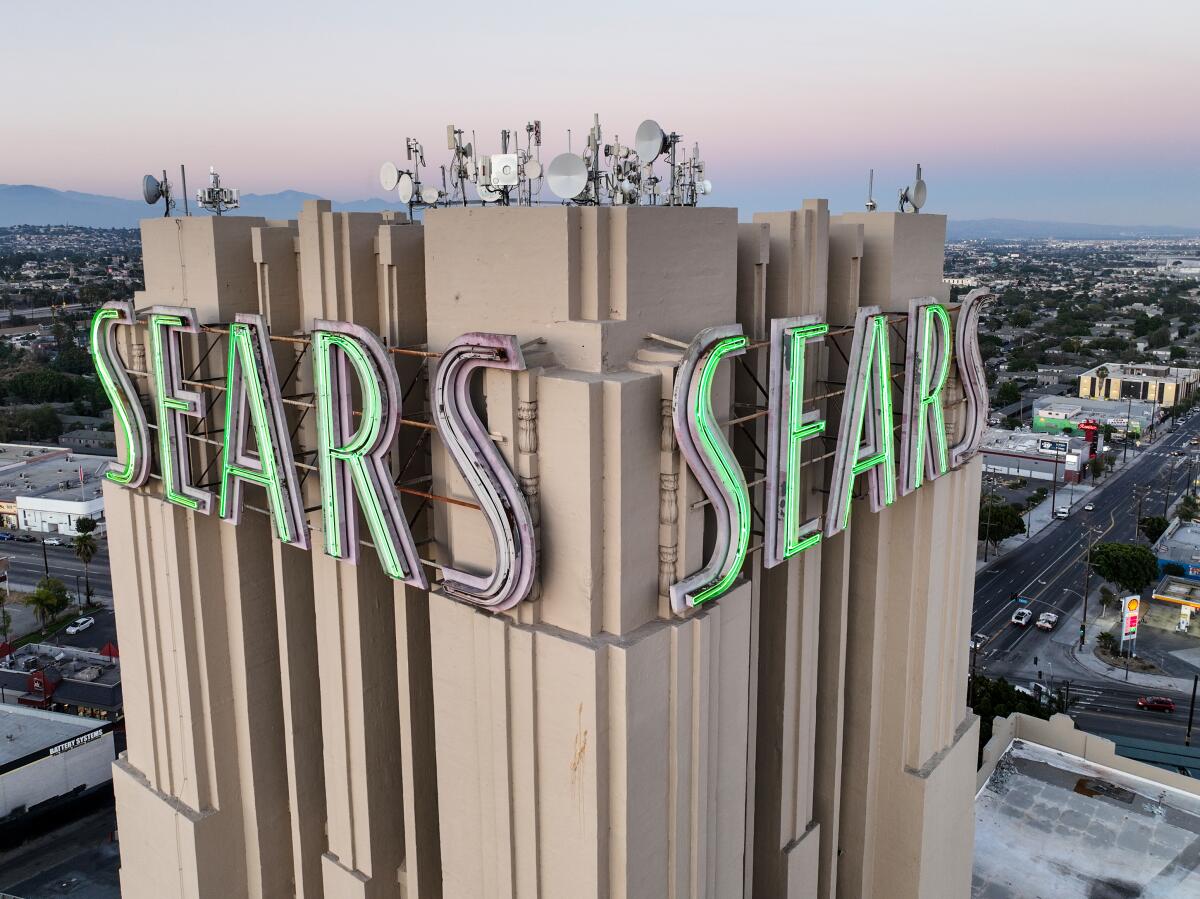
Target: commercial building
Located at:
point(62, 679)
point(1179, 546)
point(1162, 385)
point(1057, 458)
point(301, 725)
point(1053, 415)
point(47, 490)
point(48, 759)
point(1061, 813)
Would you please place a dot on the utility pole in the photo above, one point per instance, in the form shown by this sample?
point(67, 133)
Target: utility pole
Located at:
point(1141, 492)
point(1187, 740)
point(987, 534)
point(1128, 422)
point(1087, 581)
point(45, 560)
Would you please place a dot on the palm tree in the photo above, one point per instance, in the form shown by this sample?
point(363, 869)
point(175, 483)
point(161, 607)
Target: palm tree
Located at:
point(48, 599)
point(85, 547)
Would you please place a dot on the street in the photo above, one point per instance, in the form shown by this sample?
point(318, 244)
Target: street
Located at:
point(26, 567)
point(1049, 573)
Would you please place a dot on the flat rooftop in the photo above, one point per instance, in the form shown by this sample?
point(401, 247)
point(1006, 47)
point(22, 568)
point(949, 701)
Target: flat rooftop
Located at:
point(1142, 372)
point(1051, 824)
point(24, 731)
point(1026, 442)
point(1180, 543)
point(1178, 590)
point(50, 472)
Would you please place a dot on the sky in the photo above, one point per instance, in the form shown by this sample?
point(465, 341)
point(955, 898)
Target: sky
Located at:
point(1063, 110)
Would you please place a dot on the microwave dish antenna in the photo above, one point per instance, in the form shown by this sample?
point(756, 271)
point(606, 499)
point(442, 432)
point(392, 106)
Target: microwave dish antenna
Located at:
point(404, 187)
point(431, 195)
point(567, 176)
point(650, 141)
point(389, 176)
point(155, 189)
point(913, 198)
point(488, 194)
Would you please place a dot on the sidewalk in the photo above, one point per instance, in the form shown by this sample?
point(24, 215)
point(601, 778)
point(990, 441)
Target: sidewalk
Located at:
point(1087, 658)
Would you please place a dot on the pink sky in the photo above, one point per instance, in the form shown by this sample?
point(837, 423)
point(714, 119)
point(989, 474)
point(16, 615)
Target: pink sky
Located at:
point(1069, 110)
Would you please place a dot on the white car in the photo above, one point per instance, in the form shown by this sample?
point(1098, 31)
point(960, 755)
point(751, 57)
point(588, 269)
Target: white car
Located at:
point(53, 541)
point(1022, 617)
point(79, 625)
point(1062, 512)
point(978, 641)
point(1090, 507)
point(1046, 621)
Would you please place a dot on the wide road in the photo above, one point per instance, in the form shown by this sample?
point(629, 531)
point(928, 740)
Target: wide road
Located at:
point(1048, 572)
point(26, 566)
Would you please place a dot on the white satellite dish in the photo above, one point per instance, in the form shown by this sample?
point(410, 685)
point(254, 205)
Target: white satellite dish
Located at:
point(533, 169)
point(567, 176)
point(705, 187)
point(389, 176)
point(151, 190)
point(468, 150)
point(404, 187)
point(488, 194)
point(649, 141)
point(917, 197)
point(430, 195)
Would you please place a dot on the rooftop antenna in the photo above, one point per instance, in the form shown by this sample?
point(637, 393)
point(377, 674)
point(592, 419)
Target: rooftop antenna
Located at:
point(914, 196)
point(183, 177)
point(154, 190)
point(216, 198)
point(871, 205)
point(652, 142)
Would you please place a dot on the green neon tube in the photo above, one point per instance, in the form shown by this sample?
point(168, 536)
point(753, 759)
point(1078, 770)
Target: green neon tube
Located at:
point(798, 431)
point(879, 364)
point(163, 407)
point(116, 398)
point(726, 466)
point(930, 395)
point(241, 353)
point(331, 401)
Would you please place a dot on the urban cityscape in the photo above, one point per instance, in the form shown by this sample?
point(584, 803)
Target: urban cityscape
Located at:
point(764, 499)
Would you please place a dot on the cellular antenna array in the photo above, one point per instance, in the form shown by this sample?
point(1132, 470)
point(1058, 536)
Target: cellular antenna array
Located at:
point(606, 173)
point(215, 198)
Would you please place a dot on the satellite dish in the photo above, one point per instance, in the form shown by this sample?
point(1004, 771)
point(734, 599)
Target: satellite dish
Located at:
point(487, 194)
point(468, 150)
point(430, 195)
point(706, 187)
point(917, 197)
point(389, 176)
point(404, 187)
point(649, 141)
point(567, 176)
point(151, 190)
point(533, 169)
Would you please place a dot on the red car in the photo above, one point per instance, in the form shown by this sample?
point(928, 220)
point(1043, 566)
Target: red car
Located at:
point(1156, 703)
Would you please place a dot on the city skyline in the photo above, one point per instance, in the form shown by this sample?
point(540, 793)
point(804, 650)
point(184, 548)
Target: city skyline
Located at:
point(993, 103)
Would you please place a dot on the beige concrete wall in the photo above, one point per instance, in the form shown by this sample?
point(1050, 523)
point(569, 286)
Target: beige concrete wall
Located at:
point(301, 726)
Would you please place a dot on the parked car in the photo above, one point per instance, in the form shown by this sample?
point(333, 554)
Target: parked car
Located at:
point(978, 640)
point(53, 541)
point(26, 538)
point(1062, 512)
point(4, 536)
point(1090, 507)
point(79, 625)
point(1022, 617)
point(1046, 621)
point(1156, 704)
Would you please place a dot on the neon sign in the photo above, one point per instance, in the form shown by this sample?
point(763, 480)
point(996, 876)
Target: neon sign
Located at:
point(356, 407)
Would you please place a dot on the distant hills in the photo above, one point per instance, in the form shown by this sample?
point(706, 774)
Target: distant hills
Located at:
point(29, 204)
point(1019, 229)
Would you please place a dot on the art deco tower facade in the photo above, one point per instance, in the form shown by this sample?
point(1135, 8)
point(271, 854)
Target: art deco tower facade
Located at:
point(299, 725)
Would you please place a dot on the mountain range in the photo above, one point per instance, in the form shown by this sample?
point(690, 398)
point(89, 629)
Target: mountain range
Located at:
point(29, 204)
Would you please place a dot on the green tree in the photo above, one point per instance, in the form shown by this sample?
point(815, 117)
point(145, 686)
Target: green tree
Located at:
point(1188, 509)
point(1008, 393)
point(998, 698)
point(1153, 527)
point(48, 599)
point(998, 521)
point(5, 618)
point(1129, 567)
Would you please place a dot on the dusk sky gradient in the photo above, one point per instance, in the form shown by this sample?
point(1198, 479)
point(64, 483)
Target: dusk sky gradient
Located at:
point(1072, 111)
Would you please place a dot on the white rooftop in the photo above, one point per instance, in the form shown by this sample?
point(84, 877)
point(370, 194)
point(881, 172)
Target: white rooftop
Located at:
point(24, 731)
point(1051, 824)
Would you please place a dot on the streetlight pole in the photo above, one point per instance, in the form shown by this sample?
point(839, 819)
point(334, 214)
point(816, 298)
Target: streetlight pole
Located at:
point(987, 533)
point(45, 558)
point(1128, 422)
point(1087, 583)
